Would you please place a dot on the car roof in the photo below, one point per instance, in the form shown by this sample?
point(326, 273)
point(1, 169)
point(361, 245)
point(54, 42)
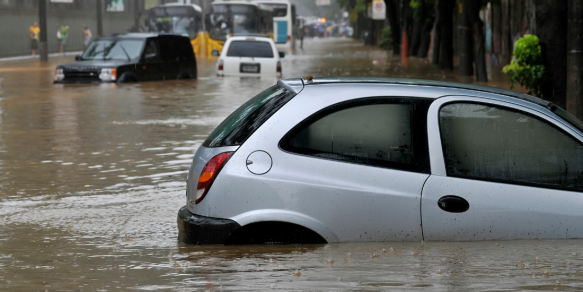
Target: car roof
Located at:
point(251, 38)
point(296, 84)
point(178, 4)
point(138, 35)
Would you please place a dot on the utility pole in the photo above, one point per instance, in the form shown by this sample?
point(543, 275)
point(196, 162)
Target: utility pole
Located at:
point(99, 18)
point(137, 14)
point(42, 22)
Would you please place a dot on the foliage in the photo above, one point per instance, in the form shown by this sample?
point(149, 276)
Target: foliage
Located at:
point(428, 8)
point(386, 38)
point(360, 6)
point(526, 67)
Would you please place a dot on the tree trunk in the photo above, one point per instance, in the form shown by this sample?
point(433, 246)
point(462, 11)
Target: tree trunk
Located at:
point(465, 38)
point(445, 8)
point(551, 23)
point(415, 38)
point(427, 18)
point(392, 14)
point(575, 59)
point(473, 8)
point(436, 36)
point(406, 14)
point(425, 42)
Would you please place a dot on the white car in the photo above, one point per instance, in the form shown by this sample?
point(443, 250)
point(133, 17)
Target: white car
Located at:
point(379, 159)
point(249, 56)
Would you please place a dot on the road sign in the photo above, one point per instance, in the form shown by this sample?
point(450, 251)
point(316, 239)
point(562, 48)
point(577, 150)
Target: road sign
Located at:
point(378, 9)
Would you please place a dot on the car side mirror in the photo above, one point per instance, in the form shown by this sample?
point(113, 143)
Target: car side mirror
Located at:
point(215, 53)
point(78, 58)
point(281, 54)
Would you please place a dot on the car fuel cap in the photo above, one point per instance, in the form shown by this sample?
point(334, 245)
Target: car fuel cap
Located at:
point(259, 162)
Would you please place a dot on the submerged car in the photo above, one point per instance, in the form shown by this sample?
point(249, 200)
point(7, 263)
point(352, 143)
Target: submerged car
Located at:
point(131, 57)
point(249, 56)
point(381, 159)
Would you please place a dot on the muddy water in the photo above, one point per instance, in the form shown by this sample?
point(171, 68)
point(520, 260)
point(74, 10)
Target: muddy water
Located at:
point(92, 177)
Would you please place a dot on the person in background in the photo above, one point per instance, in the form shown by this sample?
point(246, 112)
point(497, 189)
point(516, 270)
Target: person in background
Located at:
point(34, 33)
point(59, 36)
point(300, 35)
point(86, 36)
point(64, 35)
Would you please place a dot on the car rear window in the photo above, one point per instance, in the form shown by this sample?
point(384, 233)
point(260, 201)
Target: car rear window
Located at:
point(243, 122)
point(255, 49)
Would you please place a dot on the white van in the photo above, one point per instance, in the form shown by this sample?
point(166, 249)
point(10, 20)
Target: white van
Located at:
point(249, 56)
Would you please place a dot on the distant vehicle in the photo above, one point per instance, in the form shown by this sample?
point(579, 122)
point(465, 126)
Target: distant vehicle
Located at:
point(130, 58)
point(185, 19)
point(386, 159)
point(284, 21)
point(249, 56)
point(228, 18)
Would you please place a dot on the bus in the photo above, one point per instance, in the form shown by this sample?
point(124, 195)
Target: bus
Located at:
point(284, 21)
point(227, 18)
point(185, 19)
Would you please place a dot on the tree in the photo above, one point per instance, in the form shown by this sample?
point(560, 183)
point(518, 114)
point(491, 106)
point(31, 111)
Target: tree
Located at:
point(575, 59)
point(392, 14)
point(471, 39)
point(443, 41)
point(551, 28)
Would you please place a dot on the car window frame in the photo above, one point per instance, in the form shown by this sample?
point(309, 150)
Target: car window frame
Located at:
point(561, 126)
point(419, 119)
point(158, 53)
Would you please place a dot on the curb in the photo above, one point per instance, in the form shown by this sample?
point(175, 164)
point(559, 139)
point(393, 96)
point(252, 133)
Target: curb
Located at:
point(18, 58)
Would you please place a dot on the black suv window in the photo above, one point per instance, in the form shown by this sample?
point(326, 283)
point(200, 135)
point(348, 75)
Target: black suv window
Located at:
point(255, 49)
point(243, 122)
point(492, 143)
point(151, 51)
point(379, 131)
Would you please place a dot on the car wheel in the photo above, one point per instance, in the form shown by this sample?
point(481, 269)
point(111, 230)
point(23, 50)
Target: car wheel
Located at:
point(184, 75)
point(127, 77)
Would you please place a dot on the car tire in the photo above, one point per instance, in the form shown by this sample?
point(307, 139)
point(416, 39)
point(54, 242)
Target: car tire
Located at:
point(127, 77)
point(184, 75)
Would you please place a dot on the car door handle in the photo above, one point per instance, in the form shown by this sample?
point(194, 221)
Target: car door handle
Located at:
point(453, 204)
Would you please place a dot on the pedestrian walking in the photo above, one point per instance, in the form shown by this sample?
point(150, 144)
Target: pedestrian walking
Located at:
point(64, 34)
point(86, 36)
point(59, 37)
point(34, 33)
point(300, 34)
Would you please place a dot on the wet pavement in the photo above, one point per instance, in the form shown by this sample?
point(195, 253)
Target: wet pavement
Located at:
point(93, 177)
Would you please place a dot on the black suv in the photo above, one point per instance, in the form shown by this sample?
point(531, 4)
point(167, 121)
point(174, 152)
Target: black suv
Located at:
point(130, 58)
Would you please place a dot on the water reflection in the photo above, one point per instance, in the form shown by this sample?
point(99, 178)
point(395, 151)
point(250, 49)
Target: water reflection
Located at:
point(93, 176)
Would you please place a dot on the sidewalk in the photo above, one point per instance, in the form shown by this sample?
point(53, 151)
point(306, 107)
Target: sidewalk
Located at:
point(18, 58)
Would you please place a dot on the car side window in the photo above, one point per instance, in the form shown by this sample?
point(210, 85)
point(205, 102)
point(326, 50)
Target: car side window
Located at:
point(384, 132)
point(498, 144)
point(151, 51)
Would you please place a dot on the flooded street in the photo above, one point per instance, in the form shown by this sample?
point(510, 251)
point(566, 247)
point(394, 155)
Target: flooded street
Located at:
point(93, 177)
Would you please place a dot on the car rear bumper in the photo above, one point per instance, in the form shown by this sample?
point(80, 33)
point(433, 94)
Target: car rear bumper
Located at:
point(196, 229)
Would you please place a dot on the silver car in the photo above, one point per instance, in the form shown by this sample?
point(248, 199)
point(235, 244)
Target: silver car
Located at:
point(382, 159)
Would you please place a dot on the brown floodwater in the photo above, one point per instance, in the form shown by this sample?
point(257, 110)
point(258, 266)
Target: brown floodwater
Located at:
point(92, 177)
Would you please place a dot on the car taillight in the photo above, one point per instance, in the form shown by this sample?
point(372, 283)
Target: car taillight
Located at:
point(278, 70)
point(220, 65)
point(288, 37)
point(209, 173)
